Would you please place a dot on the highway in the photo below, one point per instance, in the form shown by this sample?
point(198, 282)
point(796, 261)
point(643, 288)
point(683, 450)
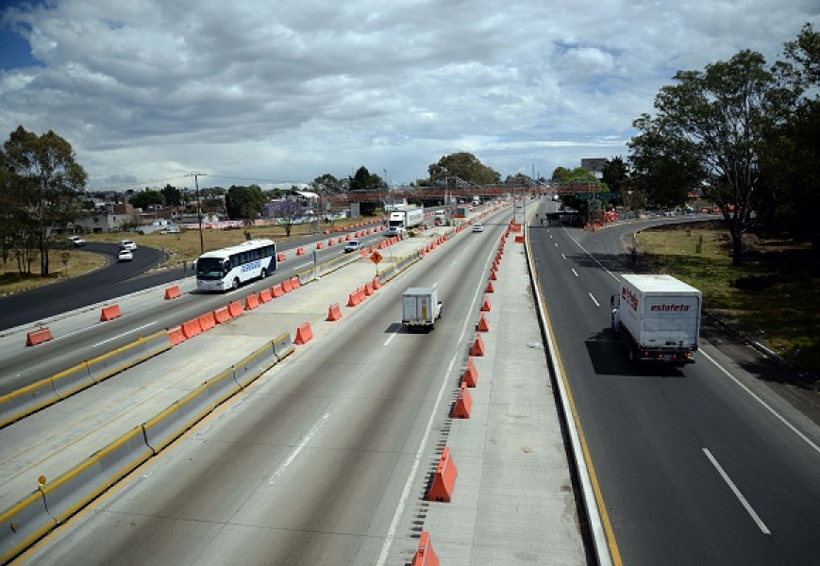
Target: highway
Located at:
point(693, 467)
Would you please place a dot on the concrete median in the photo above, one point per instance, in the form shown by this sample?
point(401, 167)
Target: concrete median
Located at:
point(162, 428)
point(283, 346)
point(223, 386)
point(23, 524)
point(246, 371)
point(113, 362)
point(24, 401)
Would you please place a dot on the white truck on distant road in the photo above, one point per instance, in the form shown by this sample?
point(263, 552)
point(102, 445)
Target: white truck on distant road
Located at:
point(658, 317)
point(401, 220)
point(420, 307)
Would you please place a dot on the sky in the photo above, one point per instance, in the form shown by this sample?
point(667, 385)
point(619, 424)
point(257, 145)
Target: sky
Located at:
point(273, 92)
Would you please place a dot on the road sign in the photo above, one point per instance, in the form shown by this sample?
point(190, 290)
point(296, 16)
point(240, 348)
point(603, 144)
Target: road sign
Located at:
point(376, 257)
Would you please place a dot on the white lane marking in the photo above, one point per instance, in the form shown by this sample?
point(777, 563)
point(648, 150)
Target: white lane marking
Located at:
point(453, 264)
point(760, 524)
point(295, 452)
point(563, 256)
point(615, 277)
point(791, 427)
point(300, 266)
point(556, 244)
point(597, 304)
point(124, 334)
point(386, 342)
point(574, 272)
point(411, 478)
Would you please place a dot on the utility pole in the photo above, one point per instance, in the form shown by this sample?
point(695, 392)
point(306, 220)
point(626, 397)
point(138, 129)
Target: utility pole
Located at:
point(198, 210)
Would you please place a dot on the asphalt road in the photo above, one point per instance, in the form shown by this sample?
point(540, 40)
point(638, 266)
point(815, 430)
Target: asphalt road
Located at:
point(693, 468)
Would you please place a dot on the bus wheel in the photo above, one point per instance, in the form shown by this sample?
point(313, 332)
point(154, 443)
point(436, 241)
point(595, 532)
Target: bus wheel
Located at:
point(264, 273)
point(235, 284)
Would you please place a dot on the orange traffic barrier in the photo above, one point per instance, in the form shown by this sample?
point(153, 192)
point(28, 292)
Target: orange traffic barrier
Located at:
point(493, 276)
point(490, 288)
point(519, 238)
point(38, 336)
point(486, 306)
point(353, 299)
point(320, 246)
point(251, 302)
point(222, 315)
point(191, 328)
point(478, 347)
point(295, 283)
point(470, 374)
point(425, 555)
point(303, 334)
point(368, 289)
point(287, 285)
point(236, 308)
point(300, 251)
point(207, 321)
point(277, 290)
point(265, 296)
point(464, 404)
point(334, 313)
point(110, 313)
point(176, 336)
point(360, 293)
point(330, 242)
point(483, 325)
point(280, 256)
point(445, 479)
point(376, 283)
point(172, 293)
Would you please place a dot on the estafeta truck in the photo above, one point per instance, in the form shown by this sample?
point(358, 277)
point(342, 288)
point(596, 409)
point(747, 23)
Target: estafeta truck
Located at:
point(401, 220)
point(420, 307)
point(658, 317)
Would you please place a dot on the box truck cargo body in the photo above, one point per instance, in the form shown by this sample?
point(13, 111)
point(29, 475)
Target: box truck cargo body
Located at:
point(402, 220)
point(658, 316)
point(420, 307)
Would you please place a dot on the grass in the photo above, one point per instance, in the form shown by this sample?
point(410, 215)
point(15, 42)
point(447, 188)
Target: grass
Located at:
point(77, 263)
point(774, 296)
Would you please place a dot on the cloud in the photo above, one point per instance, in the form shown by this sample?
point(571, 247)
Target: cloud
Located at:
point(286, 92)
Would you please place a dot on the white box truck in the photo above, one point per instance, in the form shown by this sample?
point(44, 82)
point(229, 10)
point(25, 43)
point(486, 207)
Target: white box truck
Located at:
point(402, 220)
point(658, 317)
point(420, 307)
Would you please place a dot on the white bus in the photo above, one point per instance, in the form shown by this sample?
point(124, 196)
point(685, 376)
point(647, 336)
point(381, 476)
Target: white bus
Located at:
point(228, 268)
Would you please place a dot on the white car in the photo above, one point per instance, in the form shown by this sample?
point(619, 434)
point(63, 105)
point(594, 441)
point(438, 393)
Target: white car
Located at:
point(128, 245)
point(478, 227)
point(352, 246)
point(76, 241)
point(125, 255)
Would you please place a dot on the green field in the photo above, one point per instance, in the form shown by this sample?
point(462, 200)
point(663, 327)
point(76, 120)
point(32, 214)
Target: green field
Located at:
point(774, 297)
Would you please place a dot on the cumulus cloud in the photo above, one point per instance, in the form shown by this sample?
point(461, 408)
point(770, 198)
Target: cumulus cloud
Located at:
point(286, 92)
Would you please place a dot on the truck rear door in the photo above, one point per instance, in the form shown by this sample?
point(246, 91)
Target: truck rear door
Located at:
point(671, 320)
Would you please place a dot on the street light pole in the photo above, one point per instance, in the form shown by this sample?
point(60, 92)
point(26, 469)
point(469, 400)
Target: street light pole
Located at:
point(198, 211)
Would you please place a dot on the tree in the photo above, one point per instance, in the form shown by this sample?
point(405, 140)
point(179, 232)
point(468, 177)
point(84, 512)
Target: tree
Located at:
point(466, 167)
point(715, 121)
point(287, 211)
point(48, 186)
point(327, 185)
point(172, 195)
point(364, 181)
point(146, 198)
point(615, 174)
point(244, 202)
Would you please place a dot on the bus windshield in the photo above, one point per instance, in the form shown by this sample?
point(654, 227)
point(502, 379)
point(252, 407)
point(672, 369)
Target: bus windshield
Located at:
point(210, 268)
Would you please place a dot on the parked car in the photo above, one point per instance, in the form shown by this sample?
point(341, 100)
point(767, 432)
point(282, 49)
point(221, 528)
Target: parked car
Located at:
point(76, 241)
point(128, 245)
point(125, 255)
point(478, 227)
point(352, 246)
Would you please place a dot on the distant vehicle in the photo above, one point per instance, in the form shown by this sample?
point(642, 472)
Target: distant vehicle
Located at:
point(478, 227)
point(658, 317)
point(352, 246)
point(476, 200)
point(125, 255)
point(402, 220)
point(76, 241)
point(228, 268)
point(441, 217)
point(420, 307)
point(128, 245)
point(555, 197)
point(172, 229)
